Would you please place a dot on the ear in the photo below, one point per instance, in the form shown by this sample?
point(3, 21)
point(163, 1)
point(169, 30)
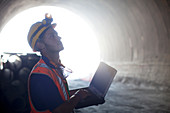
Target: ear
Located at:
point(40, 45)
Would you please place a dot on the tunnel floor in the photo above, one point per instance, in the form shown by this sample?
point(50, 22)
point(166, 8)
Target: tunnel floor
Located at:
point(129, 98)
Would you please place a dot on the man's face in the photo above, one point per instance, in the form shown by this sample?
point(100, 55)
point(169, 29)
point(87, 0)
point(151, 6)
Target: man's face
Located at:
point(52, 41)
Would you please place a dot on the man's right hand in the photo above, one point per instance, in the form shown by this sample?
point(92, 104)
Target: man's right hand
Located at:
point(69, 105)
point(82, 93)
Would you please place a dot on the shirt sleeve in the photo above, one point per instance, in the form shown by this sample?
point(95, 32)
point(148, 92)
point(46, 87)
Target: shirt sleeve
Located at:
point(44, 93)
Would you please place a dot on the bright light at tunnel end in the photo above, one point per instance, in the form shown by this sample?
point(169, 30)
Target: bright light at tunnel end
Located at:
point(81, 53)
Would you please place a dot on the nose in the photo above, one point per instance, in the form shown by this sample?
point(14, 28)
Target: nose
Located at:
point(58, 38)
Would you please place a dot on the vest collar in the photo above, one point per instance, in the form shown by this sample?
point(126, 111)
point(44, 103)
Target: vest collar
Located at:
point(50, 63)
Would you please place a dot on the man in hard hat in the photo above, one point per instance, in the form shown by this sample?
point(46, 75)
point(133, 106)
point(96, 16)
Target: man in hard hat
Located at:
point(47, 87)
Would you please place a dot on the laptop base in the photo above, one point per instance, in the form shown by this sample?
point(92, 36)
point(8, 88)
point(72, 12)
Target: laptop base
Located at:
point(90, 101)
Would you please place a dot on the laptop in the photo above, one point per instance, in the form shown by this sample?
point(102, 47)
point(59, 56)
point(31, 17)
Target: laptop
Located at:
point(99, 86)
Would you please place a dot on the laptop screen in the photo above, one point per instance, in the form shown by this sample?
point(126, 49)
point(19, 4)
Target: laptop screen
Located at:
point(103, 78)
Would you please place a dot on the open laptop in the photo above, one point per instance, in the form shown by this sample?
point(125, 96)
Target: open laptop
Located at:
point(99, 86)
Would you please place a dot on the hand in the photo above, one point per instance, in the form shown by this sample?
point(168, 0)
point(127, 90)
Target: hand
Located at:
point(82, 93)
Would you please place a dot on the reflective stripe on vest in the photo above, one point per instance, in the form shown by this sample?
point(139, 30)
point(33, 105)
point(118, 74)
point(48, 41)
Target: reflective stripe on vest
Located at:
point(59, 82)
point(58, 78)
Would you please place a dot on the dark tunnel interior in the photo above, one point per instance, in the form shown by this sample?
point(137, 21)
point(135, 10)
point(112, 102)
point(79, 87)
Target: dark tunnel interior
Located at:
point(133, 37)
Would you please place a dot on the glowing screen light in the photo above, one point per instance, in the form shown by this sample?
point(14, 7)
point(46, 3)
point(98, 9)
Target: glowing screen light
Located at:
point(81, 52)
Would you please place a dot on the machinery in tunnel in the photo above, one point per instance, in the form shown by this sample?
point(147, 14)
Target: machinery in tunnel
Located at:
point(15, 69)
point(133, 37)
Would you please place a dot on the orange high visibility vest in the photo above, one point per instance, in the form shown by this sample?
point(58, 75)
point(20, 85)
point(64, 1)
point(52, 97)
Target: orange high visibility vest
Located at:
point(41, 67)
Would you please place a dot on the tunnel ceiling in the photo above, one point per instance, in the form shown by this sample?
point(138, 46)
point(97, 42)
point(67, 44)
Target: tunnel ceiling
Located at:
point(132, 35)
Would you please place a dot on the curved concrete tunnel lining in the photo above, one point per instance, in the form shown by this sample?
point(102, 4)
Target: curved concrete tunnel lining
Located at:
point(78, 43)
point(145, 52)
point(134, 38)
point(144, 43)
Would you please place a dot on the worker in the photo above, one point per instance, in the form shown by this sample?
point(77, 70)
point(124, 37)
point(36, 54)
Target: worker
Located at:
point(47, 86)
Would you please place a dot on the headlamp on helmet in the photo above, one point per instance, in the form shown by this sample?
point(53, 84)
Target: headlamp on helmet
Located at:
point(37, 30)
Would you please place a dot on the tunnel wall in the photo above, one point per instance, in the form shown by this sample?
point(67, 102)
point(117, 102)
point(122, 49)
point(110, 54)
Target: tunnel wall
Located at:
point(133, 35)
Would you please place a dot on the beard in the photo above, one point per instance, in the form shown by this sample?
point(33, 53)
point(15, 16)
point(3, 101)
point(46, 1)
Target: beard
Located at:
point(54, 48)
